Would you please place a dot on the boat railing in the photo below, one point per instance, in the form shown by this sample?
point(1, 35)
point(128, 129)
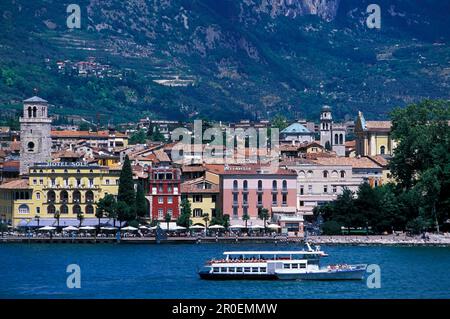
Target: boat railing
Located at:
point(247, 260)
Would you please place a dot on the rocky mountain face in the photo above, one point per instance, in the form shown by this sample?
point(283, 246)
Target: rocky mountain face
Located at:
point(238, 58)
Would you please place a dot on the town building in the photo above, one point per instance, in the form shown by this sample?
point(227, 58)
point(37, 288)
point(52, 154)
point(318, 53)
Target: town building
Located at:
point(247, 189)
point(107, 139)
point(296, 134)
point(164, 192)
point(373, 137)
point(35, 127)
point(203, 194)
point(69, 188)
point(332, 135)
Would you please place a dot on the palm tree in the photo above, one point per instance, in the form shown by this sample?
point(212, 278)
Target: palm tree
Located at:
point(245, 218)
point(206, 219)
point(57, 216)
point(167, 219)
point(38, 218)
point(264, 215)
point(80, 217)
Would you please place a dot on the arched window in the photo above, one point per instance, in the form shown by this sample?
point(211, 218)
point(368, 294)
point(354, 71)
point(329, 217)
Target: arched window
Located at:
point(89, 196)
point(64, 209)
point(325, 174)
point(30, 146)
point(38, 196)
point(197, 212)
point(342, 174)
point(51, 209)
point(24, 209)
point(284, 185)
point(89, 209)
point(336, 139)
point(382, 150)
point(34, 111)
point(29, 111)
point(260, 185)
point(274, 185)
point(341, 139)
point(51, 196)
point(76, 196)
point(64, 196)
point(235, 185)
point(76, 209)
point(245, 186)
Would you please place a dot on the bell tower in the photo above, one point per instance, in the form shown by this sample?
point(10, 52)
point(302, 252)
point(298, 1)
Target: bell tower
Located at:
point(326, 122)
point(35, 129)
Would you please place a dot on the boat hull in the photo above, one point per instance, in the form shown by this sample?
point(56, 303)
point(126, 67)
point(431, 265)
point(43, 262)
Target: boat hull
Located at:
point(324, 275)
point(215, 276)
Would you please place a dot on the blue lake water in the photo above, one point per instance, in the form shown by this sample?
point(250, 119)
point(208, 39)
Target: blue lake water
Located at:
point(170, 271)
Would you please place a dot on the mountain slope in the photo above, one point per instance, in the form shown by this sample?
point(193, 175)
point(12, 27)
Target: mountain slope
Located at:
point(245, 58)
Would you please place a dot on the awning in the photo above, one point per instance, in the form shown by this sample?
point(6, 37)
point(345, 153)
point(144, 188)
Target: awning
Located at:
point(284, 210)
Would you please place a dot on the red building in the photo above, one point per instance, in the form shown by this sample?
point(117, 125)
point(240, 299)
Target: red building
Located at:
point(164, 190)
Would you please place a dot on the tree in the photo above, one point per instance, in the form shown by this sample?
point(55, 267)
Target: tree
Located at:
point(124, 212)
point(141, 202)
point(138, 137)
point(226, 221)
point(245, 218)
point(80, 217)
point(205, 218)
point(57, 216)
point(167, 219)
point(264, 215)
point(126, 189)
point(107, 206)
point(421, 159)
point(328, 146)
point(154, 134)
point(280, 122)
point(185, 214)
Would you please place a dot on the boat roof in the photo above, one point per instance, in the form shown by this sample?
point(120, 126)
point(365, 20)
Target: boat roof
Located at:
point(280, 252)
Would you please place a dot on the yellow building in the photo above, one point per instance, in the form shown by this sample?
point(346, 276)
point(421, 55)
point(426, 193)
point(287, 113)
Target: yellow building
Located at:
point(203, 195)
point(67, 188)
point(373, 137)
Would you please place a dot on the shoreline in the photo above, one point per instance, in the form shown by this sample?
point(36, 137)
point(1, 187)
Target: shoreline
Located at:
point(373, 240)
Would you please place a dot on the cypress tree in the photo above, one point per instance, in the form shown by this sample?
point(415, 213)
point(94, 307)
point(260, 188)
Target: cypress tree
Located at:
point(126, 196)
point(141, 202)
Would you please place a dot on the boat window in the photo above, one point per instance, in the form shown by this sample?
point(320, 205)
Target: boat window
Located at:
point(286, 266)
point(302, 265)
point(262, 269)
point(231, 269)
point(247, 269)
point(216, 269)
point(223, 269)
point(254, 269)
point(294, 266)
point(239, 269)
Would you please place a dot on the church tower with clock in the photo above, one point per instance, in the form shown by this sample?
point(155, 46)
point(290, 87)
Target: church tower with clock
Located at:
point(35, 130)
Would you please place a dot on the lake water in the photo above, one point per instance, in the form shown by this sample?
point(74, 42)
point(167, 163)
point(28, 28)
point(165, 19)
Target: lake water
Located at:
point(170, 271)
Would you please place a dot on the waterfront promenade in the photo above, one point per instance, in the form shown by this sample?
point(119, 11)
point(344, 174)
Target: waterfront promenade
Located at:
point(375, 240)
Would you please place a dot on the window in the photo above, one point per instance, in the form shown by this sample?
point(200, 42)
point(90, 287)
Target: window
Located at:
point(245, 185)
point(302, 190)
point(89, 210)
point(169, 188)
point(274, 185)
point(51, 209)
point(51, 196)
point(170, 212)
point(286, 266)
point(247, 269)
point(302, 265)
point(284, 201)
point(160, 200)
point(262, 269)
point(239, 269)
point(235, 185)
point(34, 181)
point(284, 185)
point(336, 139)
point(382, 150)
point(310, 189)
point(170, 200)
point(216, 269)
point(274, 199)
point(260, 185)
point(235, 199)
point(23, 209)
point(294, 266)
point(245, 199)
point(197, 198)
point(213, 198)
point(259, 199)
point(334, 189)
point(235, 212)
point(342, 174)
point(64, 209)
point(341, 139)
point(160, 213)
point(254, 269)
point(198, 212)
point(64, 196)
point(89, 196)
point(76, 196)
point(325, 174)
point(302, 203)
point(38, 195)
point(107, 182)
point(325, 189)
point(30, 147)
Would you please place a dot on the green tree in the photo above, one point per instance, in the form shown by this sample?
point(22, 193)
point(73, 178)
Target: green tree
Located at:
point(264, 215)
point(80, 217)
point(154, 134)
point(57, 216)
point(245, 218)
point(205, 218)
point(167, 219)
point(124, 212)
point(141, 202)
point(280, 122)
point(107, 206)
point(126, 190)
point(138, 137)
point(185, 213)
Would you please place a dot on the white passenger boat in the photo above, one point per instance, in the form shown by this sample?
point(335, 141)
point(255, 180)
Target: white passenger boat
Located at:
point(273, 265)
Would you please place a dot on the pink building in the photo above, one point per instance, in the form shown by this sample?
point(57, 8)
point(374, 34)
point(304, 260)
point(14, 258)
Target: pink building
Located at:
point(246, 189)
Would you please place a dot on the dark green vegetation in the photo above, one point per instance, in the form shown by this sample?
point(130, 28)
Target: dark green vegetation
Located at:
point(246, 59)
point(421, 165)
